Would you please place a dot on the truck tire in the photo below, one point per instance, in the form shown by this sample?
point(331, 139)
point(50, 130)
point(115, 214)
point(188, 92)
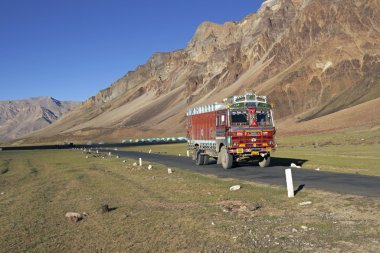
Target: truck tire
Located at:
point(200, 158)
point(264, 162)
point(227, 158)
point(206, 159)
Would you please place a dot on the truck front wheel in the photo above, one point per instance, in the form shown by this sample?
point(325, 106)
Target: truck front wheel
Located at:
point(227, 158)
point(206, 159)
point(264, 162)
point(200, 159)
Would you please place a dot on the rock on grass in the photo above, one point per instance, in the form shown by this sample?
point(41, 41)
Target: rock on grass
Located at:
point(73, 217)
point(235, 187)
point(104, 208)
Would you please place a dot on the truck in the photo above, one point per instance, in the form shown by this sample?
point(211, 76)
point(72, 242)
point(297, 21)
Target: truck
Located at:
point(240, 128)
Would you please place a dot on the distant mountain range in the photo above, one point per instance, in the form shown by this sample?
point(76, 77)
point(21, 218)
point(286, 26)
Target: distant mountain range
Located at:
point(19, 118)
point(312, 59)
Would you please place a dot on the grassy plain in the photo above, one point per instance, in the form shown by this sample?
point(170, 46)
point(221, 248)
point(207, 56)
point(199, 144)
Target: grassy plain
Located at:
point(345, 152)
point(154, 211)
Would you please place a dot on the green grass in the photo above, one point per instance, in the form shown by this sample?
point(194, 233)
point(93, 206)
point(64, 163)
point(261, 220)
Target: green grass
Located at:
point(348, 137)
point(345, 152)
point(344, 159)
point(160, 212)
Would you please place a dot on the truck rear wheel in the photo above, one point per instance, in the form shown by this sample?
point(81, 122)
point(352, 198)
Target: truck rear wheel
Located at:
point(264, 162)
point(194, 153)
point(227, 158)
point(200, 159)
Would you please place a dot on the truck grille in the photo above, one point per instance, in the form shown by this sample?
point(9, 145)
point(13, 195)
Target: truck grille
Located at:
point(261, 141)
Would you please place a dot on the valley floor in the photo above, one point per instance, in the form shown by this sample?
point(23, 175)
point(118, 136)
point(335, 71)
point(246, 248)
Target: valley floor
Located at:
point(153, 211)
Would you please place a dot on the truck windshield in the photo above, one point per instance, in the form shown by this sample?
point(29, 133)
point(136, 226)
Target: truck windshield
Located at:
point(263, 118)
point(260, 117)
point(239, 117)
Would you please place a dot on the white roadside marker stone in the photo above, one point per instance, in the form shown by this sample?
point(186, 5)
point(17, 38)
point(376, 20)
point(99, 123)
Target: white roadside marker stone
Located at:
point(293, 165)
point(235, 187)
point(289, 182)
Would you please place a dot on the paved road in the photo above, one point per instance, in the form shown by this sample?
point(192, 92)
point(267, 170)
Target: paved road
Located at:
point(275, 175)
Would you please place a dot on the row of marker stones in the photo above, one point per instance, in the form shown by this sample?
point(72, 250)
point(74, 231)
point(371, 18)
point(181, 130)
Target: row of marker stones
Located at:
point(288, 172)
point(150, 167)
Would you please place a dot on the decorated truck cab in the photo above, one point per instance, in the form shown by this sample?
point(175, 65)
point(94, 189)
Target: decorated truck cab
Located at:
point(240, 128)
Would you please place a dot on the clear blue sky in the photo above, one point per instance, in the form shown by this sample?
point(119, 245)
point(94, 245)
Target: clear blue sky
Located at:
point(71, 49)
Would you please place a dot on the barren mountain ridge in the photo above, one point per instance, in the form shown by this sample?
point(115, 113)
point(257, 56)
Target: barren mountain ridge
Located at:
point(21, 117)
point(311, 58)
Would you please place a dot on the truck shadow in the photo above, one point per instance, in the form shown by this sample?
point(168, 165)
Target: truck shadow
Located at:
point(278, 161)
point(275, 161)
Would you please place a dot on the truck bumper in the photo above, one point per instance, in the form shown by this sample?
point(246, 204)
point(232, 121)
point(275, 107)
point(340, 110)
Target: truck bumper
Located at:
point(250, 151)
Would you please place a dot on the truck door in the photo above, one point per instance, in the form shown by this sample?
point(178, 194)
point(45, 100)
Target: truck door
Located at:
point(221, 127)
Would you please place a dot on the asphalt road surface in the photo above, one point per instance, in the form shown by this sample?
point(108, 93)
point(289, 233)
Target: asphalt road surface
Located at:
point(275, 175)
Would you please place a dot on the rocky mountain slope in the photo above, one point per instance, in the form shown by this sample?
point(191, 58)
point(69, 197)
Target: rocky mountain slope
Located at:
point(21, 117)
point(311, 58)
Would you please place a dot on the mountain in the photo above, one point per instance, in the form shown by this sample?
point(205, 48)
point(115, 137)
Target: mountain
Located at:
point(21, 117)
point(311, 58)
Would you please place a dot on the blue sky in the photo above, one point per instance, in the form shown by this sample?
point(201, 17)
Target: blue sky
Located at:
point(71, 49)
